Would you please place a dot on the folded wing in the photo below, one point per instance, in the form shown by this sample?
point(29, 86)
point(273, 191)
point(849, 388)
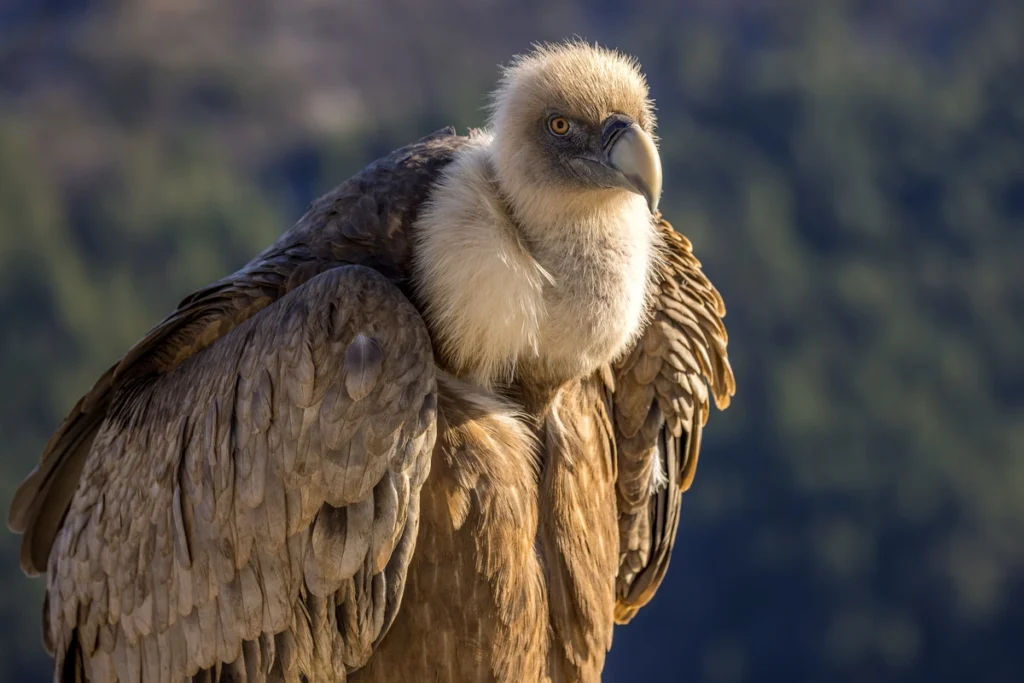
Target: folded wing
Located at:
point(660, 404)
point(253, 510)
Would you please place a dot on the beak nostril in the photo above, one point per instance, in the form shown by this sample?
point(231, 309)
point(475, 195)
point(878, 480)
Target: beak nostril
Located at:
point(614, 126)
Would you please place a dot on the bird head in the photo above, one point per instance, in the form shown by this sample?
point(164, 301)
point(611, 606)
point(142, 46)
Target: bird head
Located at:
point(576, 118)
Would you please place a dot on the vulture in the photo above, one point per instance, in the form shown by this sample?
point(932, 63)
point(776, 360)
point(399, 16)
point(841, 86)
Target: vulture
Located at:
point(438, 431)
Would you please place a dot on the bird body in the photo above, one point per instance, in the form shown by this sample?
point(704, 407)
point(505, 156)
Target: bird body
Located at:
point(438, 431)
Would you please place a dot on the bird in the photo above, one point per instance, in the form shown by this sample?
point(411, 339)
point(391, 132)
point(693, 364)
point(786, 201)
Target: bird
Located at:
point(439, 430)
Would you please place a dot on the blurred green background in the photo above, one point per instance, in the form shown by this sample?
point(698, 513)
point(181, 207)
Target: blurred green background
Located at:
point(851, 175)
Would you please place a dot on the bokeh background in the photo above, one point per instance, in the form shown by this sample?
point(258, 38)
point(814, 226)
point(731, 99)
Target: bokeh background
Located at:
point(851, 174)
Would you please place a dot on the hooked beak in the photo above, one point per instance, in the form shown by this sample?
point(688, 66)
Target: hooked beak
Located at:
point(631, 151)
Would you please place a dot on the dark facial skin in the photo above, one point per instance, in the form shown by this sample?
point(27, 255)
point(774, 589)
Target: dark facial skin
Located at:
point(590, 155)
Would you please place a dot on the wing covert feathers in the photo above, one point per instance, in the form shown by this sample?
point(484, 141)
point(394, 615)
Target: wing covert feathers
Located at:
point(250, 512)
point(363, 221)
point(660, 403)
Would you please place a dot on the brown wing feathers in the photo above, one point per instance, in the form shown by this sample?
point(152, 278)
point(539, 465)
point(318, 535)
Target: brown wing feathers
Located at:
point(40, 502)
point(660, 405)
point(258, 496)
point(361, 221)
point(214, 444)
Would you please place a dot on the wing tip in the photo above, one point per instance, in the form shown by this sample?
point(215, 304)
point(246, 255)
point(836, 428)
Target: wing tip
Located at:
point(445, 132)
point(19, 512)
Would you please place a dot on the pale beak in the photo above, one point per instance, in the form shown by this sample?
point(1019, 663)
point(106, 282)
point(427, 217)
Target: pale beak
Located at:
point(631, 151)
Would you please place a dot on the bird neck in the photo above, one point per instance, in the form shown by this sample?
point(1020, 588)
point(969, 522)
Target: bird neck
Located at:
point(519, 287)
point(599, 247)
point(542, 212)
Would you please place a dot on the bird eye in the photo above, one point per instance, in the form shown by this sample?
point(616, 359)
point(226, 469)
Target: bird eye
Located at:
point(559, 125)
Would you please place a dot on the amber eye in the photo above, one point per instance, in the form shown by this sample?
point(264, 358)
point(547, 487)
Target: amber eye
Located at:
point(559, 125)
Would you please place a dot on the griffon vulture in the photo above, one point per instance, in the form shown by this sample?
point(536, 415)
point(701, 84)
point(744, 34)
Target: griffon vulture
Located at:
point(438, 431)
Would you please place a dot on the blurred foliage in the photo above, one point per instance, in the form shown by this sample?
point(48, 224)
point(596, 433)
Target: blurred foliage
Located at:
point(852, 176)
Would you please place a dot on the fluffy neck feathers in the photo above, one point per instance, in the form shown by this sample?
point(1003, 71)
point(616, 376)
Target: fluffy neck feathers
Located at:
point(526, 282)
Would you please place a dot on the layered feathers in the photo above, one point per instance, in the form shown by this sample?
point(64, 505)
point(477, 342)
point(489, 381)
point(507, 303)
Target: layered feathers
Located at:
point(440, 429)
